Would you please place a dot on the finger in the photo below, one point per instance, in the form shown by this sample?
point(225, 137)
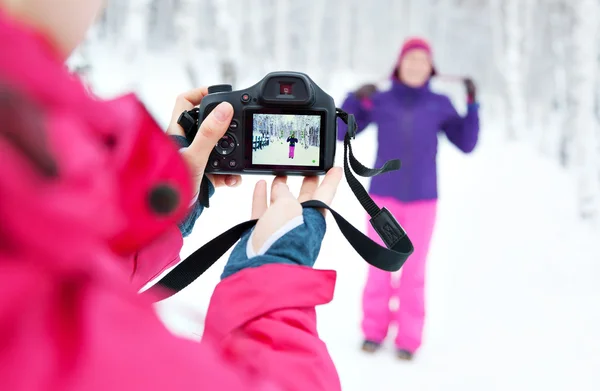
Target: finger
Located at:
point(233, 180)
point(280, 192)
point(309, 185)
point(280, 180)
point(186, 101)
point(328, 188)
point(259, 200)
point(210, 132)
point(275, 217)
point(225, 180)
point(216, 180)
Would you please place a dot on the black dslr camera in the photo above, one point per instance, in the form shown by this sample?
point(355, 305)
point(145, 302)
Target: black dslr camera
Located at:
point(283, 125)
point(286, 125)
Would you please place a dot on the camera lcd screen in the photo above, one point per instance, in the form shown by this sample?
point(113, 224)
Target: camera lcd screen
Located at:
point(286, 140)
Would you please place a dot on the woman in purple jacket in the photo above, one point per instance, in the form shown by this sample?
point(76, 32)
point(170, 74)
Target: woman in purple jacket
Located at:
point(292, 140)
point(409, 117)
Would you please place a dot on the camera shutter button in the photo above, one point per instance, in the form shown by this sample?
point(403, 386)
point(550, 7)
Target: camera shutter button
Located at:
point(220, 88)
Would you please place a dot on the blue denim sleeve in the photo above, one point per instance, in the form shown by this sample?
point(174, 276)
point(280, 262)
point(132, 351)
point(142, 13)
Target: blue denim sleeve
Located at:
point(300, 246)
point(187, 225)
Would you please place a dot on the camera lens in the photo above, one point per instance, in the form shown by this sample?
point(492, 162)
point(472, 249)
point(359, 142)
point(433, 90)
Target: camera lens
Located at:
point(226, 145)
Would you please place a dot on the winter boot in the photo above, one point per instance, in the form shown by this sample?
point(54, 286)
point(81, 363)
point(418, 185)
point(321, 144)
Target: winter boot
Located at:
point(370, 346)
point(404, 355)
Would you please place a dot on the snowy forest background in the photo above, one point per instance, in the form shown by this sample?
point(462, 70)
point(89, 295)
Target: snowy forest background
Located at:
point(305, 128)
point(536, 62)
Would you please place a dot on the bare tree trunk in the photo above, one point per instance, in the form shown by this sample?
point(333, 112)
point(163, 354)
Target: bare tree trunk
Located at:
point(496, 16)
point(514, 68)
point(115, 20)
point(556, 102)
point(161, 26)
point(315, 38)
point(344, 35)
point(282, 41)
point(257, 29)
point(585, 74)
point(228, 41)
point(528, 62)
point(187, 33)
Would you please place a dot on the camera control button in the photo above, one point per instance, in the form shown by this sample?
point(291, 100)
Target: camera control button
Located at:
point(234, 125)
point(245, 98)
point(220, 88)
point(215, 163)
point(226, 145)
point(232, 163)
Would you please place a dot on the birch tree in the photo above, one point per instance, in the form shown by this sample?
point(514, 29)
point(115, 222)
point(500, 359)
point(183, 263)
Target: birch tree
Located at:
point(281, 33)
point(257, 33)
point(114, 20)
point(343, 36)
point(228, 41)
point(161, 24)
point(315, 38)
point(514, 67)
point(584, 76)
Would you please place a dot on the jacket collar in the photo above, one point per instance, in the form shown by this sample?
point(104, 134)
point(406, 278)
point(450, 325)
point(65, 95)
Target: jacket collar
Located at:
point(404, 92)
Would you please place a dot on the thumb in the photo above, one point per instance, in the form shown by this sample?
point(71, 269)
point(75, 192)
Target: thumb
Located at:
point(210, 132)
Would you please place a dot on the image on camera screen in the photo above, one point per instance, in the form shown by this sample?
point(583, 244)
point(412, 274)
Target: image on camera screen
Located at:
point(286, 140)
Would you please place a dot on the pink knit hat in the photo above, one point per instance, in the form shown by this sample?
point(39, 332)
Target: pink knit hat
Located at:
point(413, 44)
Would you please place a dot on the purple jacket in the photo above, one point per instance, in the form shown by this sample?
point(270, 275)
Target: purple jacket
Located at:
point(409, 120)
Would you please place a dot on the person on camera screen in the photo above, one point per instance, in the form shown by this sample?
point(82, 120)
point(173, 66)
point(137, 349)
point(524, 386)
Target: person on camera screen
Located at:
point(409, 117)
point(91, 196)
point(292, 140)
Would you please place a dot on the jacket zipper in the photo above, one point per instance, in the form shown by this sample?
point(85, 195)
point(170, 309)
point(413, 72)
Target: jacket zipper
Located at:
point(408, 124)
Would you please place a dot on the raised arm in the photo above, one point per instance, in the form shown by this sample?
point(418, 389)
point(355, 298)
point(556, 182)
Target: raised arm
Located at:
point(461, 131)
point(358, 103)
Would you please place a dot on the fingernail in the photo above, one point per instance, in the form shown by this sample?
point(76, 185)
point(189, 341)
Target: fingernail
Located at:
point(222, 111)
point(231, 181)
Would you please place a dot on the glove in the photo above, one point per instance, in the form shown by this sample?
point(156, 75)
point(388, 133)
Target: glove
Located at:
point(299, 244)
point(366, 91)
point(471, 90)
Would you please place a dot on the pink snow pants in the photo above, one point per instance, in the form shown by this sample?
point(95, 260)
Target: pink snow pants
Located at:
point(291, 152)
point(418, 219)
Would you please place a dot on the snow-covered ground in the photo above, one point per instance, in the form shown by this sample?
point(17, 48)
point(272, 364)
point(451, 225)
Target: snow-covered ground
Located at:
point(278, 153)
point(512, 289)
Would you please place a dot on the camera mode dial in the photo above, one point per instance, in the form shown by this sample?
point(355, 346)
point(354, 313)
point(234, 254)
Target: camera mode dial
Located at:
point(220, 88)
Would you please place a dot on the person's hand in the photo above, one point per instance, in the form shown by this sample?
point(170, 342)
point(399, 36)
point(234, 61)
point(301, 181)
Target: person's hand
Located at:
point(366, 91)
point(210, 132)
point(284, 206)
point(471, 90)
point(285, 232)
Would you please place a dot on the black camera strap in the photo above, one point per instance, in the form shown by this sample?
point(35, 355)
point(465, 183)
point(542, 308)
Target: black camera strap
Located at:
point(399, 246)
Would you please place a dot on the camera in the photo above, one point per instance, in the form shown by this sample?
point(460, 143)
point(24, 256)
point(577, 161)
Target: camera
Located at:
point(283, 125)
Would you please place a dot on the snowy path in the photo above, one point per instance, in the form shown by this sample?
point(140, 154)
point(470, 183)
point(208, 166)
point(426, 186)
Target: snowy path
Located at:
point(513, 292)
point(513, 277)
point(278, 153)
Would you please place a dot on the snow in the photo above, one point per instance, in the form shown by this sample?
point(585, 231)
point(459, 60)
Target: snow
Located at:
point(512, 279)
point(278, 151)
point(512, 276)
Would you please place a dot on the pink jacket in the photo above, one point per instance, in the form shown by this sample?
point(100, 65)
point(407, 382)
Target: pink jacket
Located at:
point(74, 178)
